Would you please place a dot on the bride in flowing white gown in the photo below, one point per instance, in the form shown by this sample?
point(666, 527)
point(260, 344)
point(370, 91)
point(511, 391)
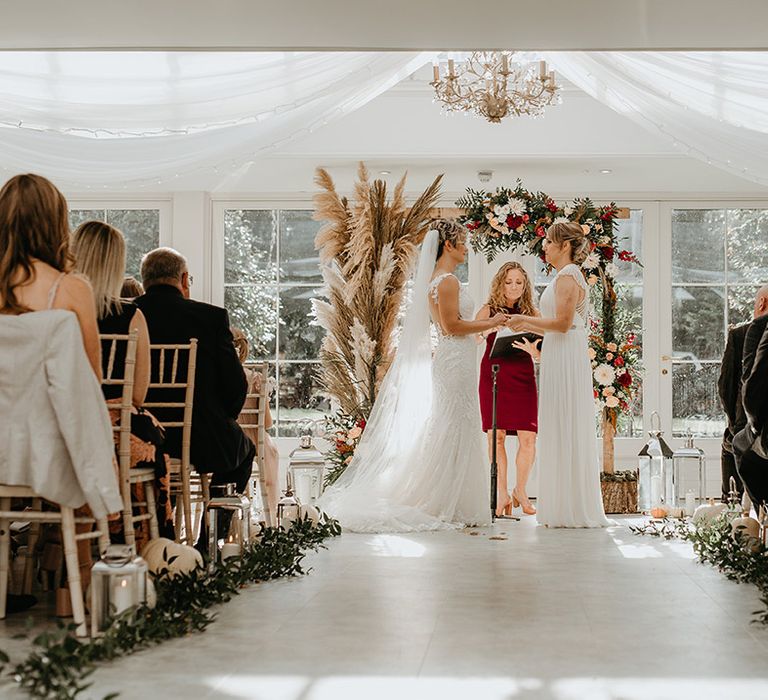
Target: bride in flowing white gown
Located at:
point(420, 464)
point(569, 472)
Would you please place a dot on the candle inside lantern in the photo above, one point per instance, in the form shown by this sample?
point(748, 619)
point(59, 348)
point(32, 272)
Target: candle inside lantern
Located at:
point(122, 596)
point(690, 502)
point(230, 549)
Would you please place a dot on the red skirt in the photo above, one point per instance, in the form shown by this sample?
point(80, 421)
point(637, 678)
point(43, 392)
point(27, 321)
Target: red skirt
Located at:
point(516, 395)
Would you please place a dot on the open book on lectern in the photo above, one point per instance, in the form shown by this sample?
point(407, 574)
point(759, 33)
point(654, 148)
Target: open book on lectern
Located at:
point(504, 345)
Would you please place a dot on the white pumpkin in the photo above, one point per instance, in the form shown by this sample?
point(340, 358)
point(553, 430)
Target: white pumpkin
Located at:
point(309, 512)
point(705, 514)
point(151, 593)
point(747, 530)
point(163, 553)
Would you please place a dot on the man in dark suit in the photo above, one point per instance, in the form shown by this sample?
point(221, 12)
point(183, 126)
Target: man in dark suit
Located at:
point(218, 444)
point(751, 464)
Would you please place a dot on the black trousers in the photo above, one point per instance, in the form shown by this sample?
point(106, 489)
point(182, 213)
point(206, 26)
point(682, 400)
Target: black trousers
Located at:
point(728, 470)
point(754, 473)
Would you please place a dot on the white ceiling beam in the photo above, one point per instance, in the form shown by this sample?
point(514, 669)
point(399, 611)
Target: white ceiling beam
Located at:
point(388, 25)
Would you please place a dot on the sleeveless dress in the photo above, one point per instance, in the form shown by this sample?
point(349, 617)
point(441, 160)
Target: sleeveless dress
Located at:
point(452, 483)
point(569, 471)
point(516, 399)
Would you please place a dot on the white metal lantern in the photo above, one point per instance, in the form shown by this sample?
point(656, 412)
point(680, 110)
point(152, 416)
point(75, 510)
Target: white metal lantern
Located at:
point(307, 466)
point(222, 545)
point(655, 485)
point(288, 507)
point(688, 464)
point(118, 583)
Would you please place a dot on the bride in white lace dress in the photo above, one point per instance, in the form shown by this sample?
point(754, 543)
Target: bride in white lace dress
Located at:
point(421, 464)
point(569, 471)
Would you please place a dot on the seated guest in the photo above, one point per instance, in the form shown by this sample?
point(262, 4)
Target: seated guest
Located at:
point(750, 445)
point(729, 387)
point(99, 251)
point(271, 454)
point(131, 288)
point(36, 275)
point(218, 444)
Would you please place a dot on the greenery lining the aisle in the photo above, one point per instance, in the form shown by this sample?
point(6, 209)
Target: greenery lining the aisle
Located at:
point(740, 557)
point(60, 666)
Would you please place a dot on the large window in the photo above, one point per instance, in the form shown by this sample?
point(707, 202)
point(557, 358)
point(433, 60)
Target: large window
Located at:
point(271, 273)
point(141, 228)
point(719, 259)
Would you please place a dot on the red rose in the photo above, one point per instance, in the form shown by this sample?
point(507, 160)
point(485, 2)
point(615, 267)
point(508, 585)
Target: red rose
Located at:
point(594, 391)
point(361, 424)
point(627, 256)
point(608, 252)
point(551, 206)
point(472, 225)
point(619, 362)
point(526, 218)
point(540, 232)
point(624, 379)
point(514, 222)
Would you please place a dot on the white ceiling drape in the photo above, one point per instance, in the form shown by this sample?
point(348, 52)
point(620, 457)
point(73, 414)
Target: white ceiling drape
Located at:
point(102, 118)
point(119, 118)
point(710, 105)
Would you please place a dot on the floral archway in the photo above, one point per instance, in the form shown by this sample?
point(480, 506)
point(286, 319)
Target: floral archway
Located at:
point(516, 219)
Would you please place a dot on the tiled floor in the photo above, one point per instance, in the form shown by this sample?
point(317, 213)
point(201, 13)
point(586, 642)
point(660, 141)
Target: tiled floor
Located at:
point(563, 614)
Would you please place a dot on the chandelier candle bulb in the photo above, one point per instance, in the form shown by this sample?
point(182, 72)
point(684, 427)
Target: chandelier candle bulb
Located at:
point(436, 72)
point(543, 70)
point(450, 68)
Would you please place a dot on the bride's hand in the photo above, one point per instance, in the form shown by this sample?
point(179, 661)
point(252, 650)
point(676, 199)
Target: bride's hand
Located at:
point(498, 320)
point(531, 348)
point(516, 322)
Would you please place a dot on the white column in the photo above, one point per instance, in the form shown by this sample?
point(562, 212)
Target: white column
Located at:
point(191, 236)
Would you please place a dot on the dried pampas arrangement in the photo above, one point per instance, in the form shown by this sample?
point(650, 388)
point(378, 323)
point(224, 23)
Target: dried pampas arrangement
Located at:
point(367, 250)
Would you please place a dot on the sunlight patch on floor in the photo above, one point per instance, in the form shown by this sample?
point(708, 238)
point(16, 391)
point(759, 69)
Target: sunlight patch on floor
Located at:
point(396, 546)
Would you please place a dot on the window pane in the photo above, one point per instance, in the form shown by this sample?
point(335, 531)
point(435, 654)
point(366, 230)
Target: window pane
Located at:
point(698, 249)
point(698, 322)
point(253, 309)
point(298, 339)
point(80, 216)
point(141, 228)
point(250, 246)
point(741, 303)
point(630, 237)
point(299, 261)
point(747, 249)
point(300, 396)
point(695, 404)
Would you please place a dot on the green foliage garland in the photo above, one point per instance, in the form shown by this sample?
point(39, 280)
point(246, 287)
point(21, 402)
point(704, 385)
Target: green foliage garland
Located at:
point(60, 665)
point(740, 558)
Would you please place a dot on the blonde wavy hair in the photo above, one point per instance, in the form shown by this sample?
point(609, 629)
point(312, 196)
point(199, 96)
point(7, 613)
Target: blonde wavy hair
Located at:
point(99, 251)
point(573, 234)
point(496, 298)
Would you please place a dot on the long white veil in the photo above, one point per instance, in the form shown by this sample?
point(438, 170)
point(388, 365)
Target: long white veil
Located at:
point(365, 497)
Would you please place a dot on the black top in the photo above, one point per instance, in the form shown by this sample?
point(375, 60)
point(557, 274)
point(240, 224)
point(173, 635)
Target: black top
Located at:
point(755, 373)
point(218, 442)
point(117, 322)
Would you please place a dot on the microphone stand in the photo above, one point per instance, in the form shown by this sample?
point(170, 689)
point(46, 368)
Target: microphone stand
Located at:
point(494, 466)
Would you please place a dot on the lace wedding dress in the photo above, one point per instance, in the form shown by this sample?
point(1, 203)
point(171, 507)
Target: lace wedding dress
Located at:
point(420, 464)
point(569, 472)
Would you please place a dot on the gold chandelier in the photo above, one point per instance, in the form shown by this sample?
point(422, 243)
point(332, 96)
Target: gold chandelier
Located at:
point(496, 84)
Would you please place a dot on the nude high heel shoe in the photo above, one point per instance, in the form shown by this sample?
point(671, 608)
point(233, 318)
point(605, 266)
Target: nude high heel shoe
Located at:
point(527, 506)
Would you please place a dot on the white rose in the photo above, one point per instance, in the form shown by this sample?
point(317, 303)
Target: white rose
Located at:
point(611, 402)
point(592, 261)
point(516, 206)
point(501, 211)
point(604, 374)
point(612, 270)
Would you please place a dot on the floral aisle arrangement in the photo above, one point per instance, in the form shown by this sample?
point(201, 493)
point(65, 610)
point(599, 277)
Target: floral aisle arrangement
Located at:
point(517, 219)
point(343, 432)
point(367, 250)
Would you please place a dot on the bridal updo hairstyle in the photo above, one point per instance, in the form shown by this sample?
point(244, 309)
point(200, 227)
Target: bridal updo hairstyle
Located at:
point(570, 232)
point(448, 230)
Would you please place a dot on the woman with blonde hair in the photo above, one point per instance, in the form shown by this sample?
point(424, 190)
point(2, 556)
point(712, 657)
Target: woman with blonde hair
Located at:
point(99, 251)
point(569, 472)
point(516, 402)
point(271, 453)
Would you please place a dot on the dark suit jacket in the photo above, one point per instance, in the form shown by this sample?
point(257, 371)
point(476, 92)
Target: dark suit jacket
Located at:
point(729, 382)
point(218, 443)
point(754, 384)
point(755, 389)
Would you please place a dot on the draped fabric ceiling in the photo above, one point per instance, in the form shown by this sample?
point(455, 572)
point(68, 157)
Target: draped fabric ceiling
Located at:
point(114, 118)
